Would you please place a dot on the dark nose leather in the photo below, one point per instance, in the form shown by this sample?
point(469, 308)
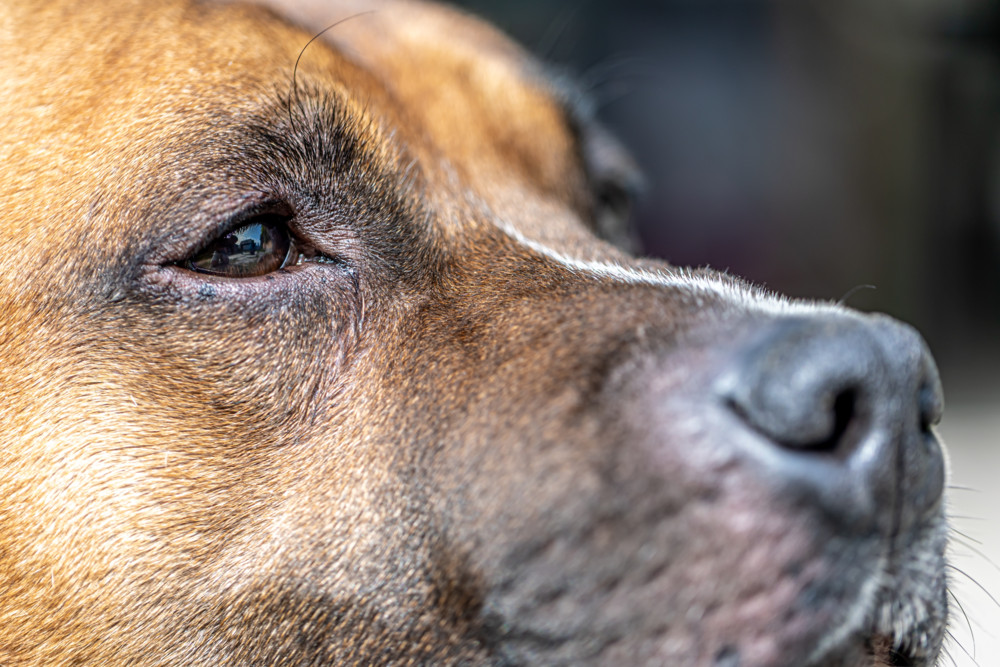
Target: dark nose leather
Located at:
point(843, 407)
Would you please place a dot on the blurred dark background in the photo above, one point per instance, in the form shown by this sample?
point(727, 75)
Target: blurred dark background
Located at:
point(811, 145)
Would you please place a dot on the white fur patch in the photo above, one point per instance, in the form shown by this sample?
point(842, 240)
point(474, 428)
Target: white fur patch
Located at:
point(673, 278)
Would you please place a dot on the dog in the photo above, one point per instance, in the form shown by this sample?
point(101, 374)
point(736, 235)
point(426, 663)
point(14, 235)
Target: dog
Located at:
point(317, 351)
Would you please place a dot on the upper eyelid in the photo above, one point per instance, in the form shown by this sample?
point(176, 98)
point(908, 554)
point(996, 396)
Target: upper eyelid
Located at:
point(220, 218)
point(256, 162)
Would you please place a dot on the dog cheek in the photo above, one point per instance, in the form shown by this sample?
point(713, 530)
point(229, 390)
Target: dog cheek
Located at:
point(580, 529)
point(123, 425)
point(262, 359)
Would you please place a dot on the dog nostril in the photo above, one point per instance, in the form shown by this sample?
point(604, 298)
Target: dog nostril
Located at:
point(839, 408)
point(930, 406)
point(727, 657)
point(844, 411)
point(808, 386)
point(827, 430)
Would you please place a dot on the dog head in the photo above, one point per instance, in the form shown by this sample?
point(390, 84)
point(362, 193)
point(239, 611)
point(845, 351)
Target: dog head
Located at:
point(312, 354)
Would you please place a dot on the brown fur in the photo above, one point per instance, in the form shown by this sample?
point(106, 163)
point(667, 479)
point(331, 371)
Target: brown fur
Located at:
point(445, 447)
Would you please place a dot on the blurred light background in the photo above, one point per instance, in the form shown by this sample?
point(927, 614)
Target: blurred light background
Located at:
point(816, 146)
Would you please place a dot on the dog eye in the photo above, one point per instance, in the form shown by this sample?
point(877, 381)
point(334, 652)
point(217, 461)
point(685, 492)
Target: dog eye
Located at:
point(613, 212)
point(261, 245)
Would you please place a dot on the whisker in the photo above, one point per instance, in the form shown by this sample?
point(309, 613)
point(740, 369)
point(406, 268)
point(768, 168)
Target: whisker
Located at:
point(971, 546)
point(954, 640)
point(968, 623)
point(851, 292)
point(557, 29)
point(293, 90)
point(978, 585)
point(967, 540)
point(603, 71)
point(947, 654)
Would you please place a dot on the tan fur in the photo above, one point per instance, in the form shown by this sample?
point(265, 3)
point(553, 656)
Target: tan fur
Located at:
point(342, 467)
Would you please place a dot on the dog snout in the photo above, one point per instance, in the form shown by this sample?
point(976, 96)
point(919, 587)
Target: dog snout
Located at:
point(843, 408)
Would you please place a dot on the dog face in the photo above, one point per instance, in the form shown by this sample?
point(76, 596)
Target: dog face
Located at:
point(312, 355)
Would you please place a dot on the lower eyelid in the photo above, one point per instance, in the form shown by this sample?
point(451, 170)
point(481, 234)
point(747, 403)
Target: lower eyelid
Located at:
point(176, 282)
point(315, 259)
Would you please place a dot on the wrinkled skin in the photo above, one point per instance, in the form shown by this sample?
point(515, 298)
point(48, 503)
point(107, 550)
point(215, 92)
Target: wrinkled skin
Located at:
point(464, 431)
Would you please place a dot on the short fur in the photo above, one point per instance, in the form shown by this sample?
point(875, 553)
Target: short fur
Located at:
point(474, 433)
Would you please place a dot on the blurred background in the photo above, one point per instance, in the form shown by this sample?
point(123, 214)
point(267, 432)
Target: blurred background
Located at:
point(820, 148)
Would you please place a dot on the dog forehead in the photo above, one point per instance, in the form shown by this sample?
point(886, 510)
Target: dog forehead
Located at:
point(496, 121)
point(476, 112)
point(487, 104)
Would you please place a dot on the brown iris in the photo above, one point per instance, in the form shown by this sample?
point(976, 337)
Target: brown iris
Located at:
point(263, 245)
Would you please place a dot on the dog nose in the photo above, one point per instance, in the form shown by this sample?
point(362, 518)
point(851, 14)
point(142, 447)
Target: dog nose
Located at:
point(842, 407)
